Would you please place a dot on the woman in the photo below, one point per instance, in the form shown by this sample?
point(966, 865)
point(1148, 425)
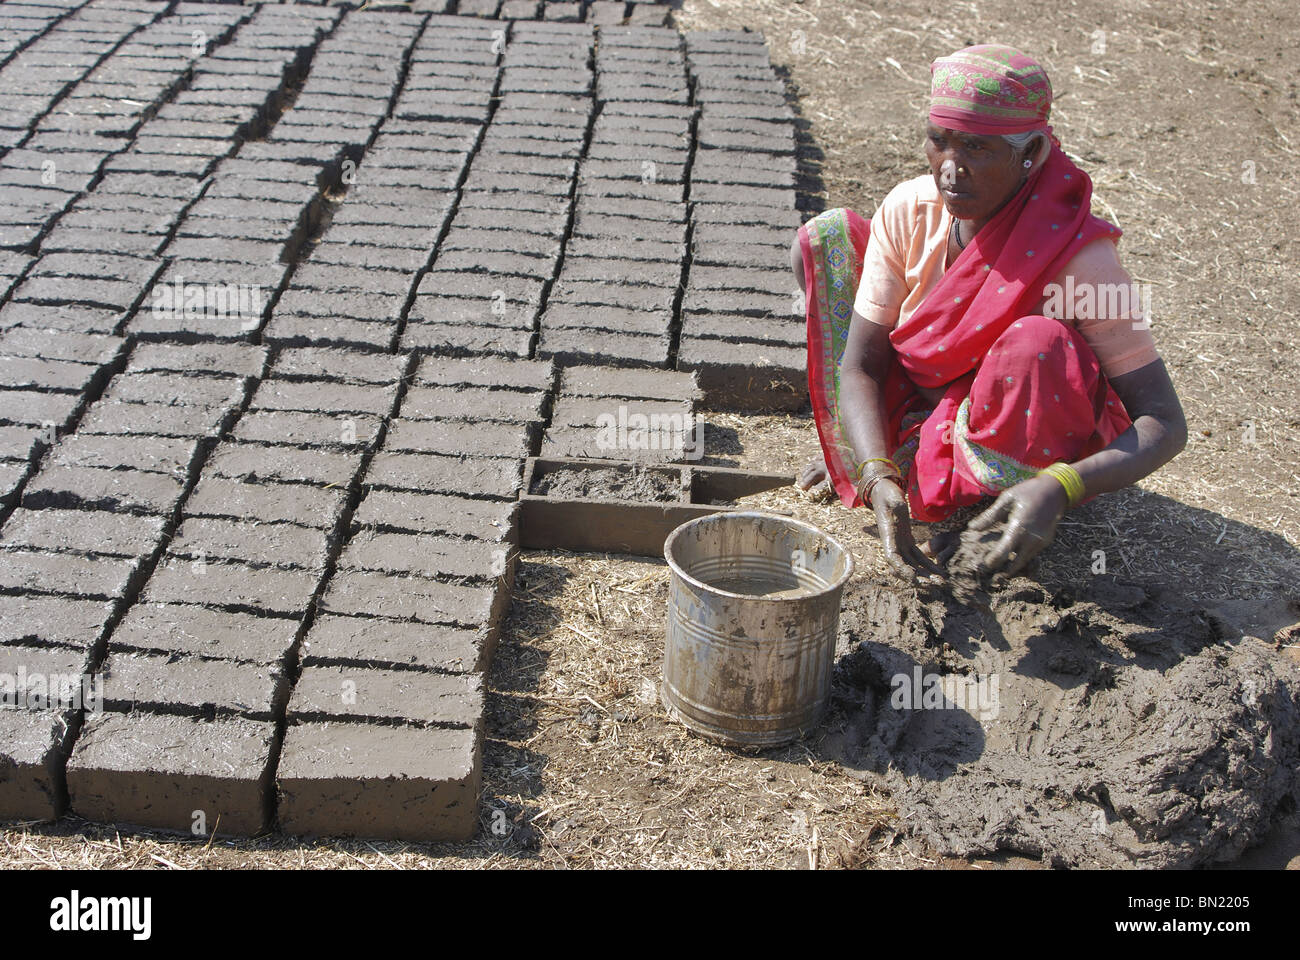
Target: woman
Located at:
point(946, 362)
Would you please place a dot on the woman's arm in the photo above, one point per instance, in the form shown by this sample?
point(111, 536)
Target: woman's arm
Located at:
point(867, 354)
point(1033, 508)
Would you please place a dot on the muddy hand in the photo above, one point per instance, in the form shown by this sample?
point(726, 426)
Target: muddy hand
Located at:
point(813, 473)
point(905, 559)
point(1031, 510)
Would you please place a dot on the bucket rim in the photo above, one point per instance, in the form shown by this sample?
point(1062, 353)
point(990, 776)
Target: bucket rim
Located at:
point(698, 584)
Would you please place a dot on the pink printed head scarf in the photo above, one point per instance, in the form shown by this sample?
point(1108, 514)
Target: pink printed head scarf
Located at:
point(989, 89)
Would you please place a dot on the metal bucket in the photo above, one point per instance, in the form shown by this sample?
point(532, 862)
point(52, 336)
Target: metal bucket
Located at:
point(753, 610)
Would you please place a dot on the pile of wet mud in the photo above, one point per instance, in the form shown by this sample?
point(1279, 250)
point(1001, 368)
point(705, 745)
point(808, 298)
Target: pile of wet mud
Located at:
point(1095, 724)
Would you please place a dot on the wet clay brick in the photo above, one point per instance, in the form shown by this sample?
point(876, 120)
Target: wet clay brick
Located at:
point(40, 572)
point(491, 520)
point(353, 431)
point(476, 403)
point(240, 360)
point(266, 502)
point(156, 771)
point(428, 601)
point(362, 779)
point(581, 346)
point(317, 397)
point(270, 544)
point(26, 406)
point(468, 439)
point(480, 476)
point(328, 363)
point(153, 419)
point(763, 377)
point(376, 642)
point(177, 684)
point(357, 692)
point(89, 488)
point(251, 461)
point(167, 455)
point(37, 619)
point(177, 628)
point(123, 534)
point(426, 556)
point(231, 585)
point(176, 389)
point(33, 744)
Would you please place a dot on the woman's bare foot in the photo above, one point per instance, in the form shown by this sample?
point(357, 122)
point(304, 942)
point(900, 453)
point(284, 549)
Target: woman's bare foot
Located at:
point(813, 474)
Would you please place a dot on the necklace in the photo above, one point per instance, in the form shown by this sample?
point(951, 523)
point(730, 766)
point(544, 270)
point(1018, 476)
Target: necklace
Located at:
point(956, 233)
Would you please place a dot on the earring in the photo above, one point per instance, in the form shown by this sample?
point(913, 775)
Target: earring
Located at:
point(1028, 164)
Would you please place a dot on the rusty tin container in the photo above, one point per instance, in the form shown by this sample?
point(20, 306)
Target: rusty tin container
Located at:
point(753, 610)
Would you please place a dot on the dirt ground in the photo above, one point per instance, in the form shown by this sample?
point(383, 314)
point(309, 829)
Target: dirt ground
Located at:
point(1185, 114)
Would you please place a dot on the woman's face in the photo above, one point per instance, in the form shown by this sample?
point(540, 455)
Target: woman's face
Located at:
point(975, 174)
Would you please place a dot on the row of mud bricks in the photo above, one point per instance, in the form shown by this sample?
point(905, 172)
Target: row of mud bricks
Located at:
point(287, 295)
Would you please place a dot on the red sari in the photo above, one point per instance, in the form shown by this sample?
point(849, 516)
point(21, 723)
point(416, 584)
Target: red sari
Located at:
point(1022, 390)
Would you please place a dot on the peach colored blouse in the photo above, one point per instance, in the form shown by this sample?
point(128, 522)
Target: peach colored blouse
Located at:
point(905, 260)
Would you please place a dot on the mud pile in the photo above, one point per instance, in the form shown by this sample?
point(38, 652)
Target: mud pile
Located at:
point(1098, 724)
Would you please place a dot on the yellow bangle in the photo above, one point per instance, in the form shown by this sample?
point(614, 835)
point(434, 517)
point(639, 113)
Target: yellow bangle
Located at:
point(885, 460)
point(1069, 478)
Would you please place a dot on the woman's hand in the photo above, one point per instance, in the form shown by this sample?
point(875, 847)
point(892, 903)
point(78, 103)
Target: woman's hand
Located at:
point(1031, 510)
point(895, 525)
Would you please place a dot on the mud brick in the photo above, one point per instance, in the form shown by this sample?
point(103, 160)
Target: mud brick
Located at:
point(766, 377)
point(357, 306)
point(465, 311)
point(327, 363)
point(326, 277)
point(298, 330)
point(360, 692)
point(341, 254)
point(460, 439)
point(487, 182)
point(307, 430)
point(70, 318)
point(167, 455)
point(62, 346)
point(109, 417)
point(609, 294)
point(34, 619)
point(747, 215)
point(253, 462)
point(516, 163)
point(626, 248)
point(45, 678)
point(39, 572)
point(363, 779)
point(614, 319)
point(538, 245)
point(238, 360)
point(746, 256)
point(497, 264)
point(635, 154)
point(579, 269)
point(33, 746)
point(600, 187)
point(519, 9)
point(110, 294)
point(358, 211)
point(270, 544)
point(426, 556)
point(174, 628)
point(489, 520)
point(374, 642)
point(81, 531)
point(28, 372)
point(181, 684)
point(509, 203)
point(414, 598)
point(243, 209)
point(646, 446)
point(476, 403)
point(630, 231)
point(267, 231)
point(741, 329)
point(214, 248)
point(740, 302)
point(230, 584)
point(585, 346)
point(38, 409)
point(266, 502)
point(481, 287)
point(176, 388)
point(742, 195)
point(489, 477)
point(774, 282)
point(22, 443)
point(670, 211)
point(618, 382)
point(590, 412)
point(157, 770)
point(515, 375)
point(103, 266)
point(89, 488)
point(322, 397)
point(532, 144)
